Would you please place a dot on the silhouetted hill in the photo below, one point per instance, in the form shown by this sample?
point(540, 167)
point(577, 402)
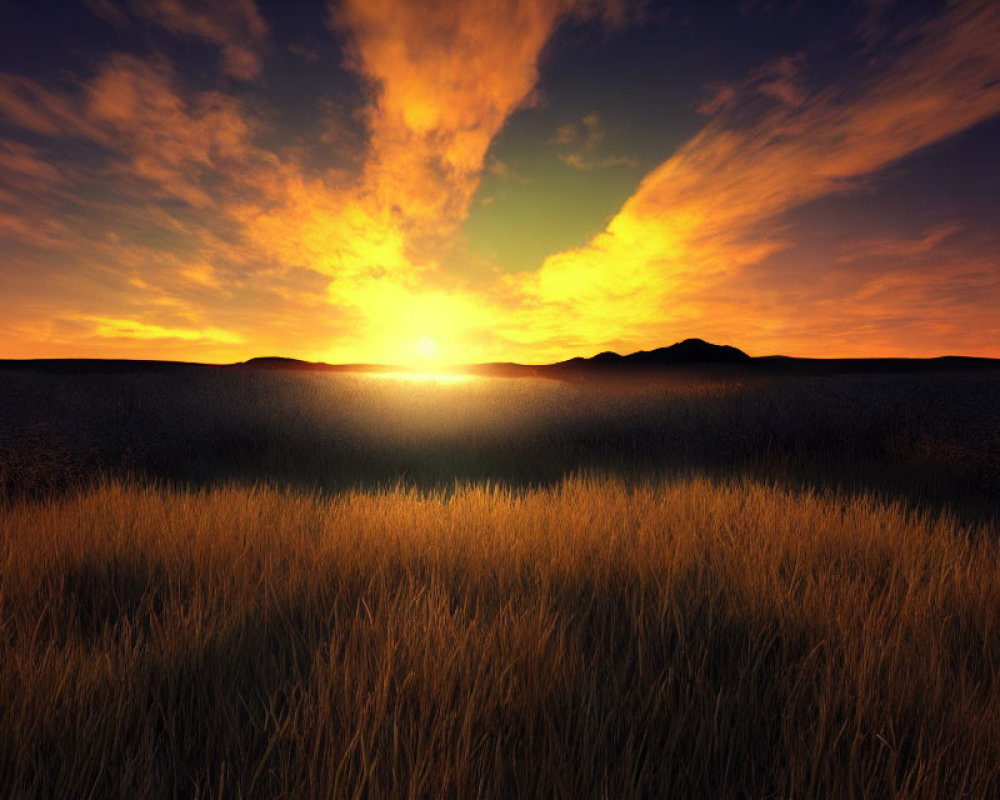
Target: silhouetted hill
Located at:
point(690, 351)
point(96, 366)
point(278, 362)
point(696, 357)
point(297, 365)
point(692, 357)
point(281, 362)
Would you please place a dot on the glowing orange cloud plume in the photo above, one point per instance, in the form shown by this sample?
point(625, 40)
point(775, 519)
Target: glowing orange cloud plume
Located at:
point(443, 79)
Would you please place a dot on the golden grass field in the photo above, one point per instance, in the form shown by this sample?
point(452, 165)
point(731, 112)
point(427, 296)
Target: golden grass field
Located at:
point(605, 634)
point(587, 640)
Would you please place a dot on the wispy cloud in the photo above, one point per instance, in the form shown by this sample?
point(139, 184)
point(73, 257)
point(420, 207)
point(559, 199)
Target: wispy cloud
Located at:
point(779, 80)
point(133, 109)
point(234, 26)
point(925, 244)
point(435, 99)
point(711, 211)
point(443, 78)
point(580, 142)
point(135, 329)
point(190, 229)
point(31, 106)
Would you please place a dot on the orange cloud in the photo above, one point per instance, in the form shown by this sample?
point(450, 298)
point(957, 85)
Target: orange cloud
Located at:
point(29, 105)
point(443, 79)
point(584, 138)
point(230, 249)
point(665, 261)
point(924, 244)
point(132, 108)
point(444, 76)
point(134, 329)
point(169, 142)
point(235, 26)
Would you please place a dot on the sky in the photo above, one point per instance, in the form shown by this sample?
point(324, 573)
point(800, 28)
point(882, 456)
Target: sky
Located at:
point(497, 180)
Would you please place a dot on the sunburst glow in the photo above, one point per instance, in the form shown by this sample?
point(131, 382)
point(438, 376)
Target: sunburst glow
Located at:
point(426, 348)
point(437, 378)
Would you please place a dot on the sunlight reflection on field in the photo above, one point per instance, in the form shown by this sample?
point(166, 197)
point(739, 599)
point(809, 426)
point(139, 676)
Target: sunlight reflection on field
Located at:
point(438, 378)
point(331, 431)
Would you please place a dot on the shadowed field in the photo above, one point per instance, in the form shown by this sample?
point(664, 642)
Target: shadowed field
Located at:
point(933, 440)
point(682, 639)
point(227, 585)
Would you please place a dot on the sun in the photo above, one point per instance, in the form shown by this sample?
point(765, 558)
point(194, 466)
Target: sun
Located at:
point(426, 348)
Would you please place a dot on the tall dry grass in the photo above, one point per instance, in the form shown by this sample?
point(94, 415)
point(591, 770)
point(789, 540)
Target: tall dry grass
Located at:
point(592, 639)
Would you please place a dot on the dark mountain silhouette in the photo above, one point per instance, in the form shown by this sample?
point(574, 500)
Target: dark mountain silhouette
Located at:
point(281, 362)
point(278, 362)
point(691, 357)
point(698, 358)
point(690, 351)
